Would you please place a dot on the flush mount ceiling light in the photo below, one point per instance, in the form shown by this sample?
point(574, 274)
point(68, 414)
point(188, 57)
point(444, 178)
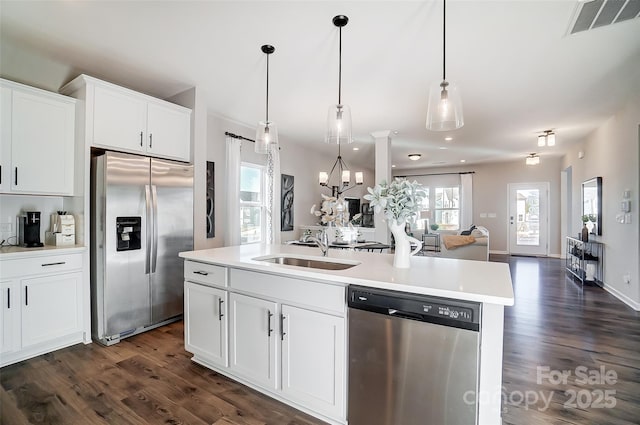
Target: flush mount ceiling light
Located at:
point(532, 159)
point(267, 132)
point(445, 105)
point(414, 156)
point(342, 171)
point(339, 116)
point(547, 139)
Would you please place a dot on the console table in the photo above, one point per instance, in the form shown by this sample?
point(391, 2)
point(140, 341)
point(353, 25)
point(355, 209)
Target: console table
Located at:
point(584, 260)
point(436, 242)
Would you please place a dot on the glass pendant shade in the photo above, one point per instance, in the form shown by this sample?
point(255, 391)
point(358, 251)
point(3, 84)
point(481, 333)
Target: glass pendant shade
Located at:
point(266, 135)
point(542, 140)
point(339, 125)
point(445, 107)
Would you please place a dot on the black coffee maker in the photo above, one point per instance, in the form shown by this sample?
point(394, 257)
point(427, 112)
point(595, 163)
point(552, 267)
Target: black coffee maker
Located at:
point(30, 229)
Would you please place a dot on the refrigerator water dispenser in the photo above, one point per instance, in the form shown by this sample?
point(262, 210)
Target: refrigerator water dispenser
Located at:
point(128, 233)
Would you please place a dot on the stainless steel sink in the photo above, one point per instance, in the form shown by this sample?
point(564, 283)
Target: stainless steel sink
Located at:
point(308, 262)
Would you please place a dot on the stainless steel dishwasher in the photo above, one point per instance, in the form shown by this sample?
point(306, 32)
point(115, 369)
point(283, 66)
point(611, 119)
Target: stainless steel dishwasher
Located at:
point(413, 359)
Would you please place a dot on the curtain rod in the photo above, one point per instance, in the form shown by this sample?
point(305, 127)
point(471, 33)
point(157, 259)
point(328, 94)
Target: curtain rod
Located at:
point(235, 136)
point(437, 174)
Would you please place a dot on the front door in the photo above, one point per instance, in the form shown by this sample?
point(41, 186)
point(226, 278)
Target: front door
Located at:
point(528, 218)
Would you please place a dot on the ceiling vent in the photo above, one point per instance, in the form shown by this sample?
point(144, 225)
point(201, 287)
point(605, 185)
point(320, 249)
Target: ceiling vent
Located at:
point(598, 13)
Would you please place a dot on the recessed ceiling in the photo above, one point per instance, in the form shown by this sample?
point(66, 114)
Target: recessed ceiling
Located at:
point(519, 71)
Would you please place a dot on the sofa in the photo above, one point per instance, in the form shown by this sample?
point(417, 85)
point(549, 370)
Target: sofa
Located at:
point(478, 250)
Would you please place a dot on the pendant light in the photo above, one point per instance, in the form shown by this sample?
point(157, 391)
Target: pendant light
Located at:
point(267, 132)
point(339, 116)
point(445, 105)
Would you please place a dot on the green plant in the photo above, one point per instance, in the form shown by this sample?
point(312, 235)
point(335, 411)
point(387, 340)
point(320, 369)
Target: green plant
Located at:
point(593, 218)
point(434, 226)
point(400, 200)
point(585, 218)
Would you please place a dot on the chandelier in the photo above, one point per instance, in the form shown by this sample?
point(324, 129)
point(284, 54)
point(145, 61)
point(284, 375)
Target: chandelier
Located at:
point(343, 174)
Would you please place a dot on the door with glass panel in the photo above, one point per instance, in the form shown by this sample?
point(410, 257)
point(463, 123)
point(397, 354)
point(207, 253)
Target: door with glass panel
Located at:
point(528, 218)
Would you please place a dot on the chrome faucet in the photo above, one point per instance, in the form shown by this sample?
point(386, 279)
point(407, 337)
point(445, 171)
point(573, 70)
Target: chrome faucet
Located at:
point(322, 241)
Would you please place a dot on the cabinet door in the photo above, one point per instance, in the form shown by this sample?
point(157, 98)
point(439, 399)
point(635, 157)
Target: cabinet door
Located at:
point(119, 120)
point(168, 131)
point(252, 339)
point(205, 322)
point(313, 358)
point(9, 317)
point(5, 138)
point(42, 144)
point(50, 307)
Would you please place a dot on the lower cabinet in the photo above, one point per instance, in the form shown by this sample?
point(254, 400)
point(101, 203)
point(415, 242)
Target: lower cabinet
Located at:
point(313, 349)
point(41, 305)
point(205, 320)
point(252, 339)
point(291, 350)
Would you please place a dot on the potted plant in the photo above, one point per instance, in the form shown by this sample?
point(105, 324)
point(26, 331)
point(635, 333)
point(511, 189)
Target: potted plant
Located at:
point(434, 226)
point(400, 202)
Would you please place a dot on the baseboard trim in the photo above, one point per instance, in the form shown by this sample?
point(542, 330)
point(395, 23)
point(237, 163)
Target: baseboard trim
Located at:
point(498, 252)
point(622, 297)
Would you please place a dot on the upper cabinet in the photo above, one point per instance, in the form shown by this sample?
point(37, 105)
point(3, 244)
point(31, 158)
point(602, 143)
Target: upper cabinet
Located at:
point(37, 138)
point(121, 119)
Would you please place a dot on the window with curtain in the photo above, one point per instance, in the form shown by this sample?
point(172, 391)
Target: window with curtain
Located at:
point(447, 207)
point(252, 203)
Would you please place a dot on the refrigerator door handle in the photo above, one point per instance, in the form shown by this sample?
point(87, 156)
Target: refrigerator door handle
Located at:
point(147, 199)
point(154, 254)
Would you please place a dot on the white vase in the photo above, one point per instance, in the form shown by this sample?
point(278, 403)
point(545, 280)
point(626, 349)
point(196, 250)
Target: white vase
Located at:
point(403, 252)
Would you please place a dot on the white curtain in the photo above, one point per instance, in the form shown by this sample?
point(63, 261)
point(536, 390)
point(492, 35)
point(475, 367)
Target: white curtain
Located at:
point(466, 201)
point(233, 192)
point(273, 195)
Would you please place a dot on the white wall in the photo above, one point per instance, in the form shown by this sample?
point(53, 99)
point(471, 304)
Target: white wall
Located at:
point(613, 153)
point(490, 195)
point(302, 162)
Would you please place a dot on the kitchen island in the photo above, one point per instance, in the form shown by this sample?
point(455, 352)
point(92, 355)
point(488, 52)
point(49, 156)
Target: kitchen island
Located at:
point(282, 328)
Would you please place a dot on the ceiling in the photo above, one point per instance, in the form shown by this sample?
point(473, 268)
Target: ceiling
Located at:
point(518, 70)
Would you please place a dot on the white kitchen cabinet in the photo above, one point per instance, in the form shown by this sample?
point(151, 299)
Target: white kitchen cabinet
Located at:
point(50, 307)
point(205, 319)
point(42, 303)
point(313, 353)
point(124, 120)
point(38, 141)
point(252, 338)
point(9, 316)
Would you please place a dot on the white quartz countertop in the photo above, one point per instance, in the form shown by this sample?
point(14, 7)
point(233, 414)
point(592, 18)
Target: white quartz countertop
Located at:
point(12, 252)
point(444, 277)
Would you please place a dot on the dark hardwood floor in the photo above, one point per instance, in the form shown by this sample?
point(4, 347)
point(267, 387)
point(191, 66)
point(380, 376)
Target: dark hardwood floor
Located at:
point(555, 326)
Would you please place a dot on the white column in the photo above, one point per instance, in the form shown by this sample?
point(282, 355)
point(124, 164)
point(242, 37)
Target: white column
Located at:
point(382, 172)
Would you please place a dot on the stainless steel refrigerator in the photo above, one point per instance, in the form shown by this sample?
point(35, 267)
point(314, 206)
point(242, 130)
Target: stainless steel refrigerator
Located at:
point(141, 218)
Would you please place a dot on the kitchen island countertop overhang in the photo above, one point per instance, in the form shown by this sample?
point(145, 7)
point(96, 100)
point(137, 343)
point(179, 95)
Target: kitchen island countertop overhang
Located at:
point(468, 280)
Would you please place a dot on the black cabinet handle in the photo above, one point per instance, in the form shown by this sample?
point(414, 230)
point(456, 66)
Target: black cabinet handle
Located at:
point(8, 297)
point(220, 315)
point(282, 332)
point(59, 263)
point(150, 140)
point(141, 138)
point(26, 295)
point(201, 273)
point(0, 174)
point(16, 180)
point(269, 330)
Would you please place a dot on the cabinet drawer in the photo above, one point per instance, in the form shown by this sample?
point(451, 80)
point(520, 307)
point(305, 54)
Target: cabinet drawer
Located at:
point(205, 273)
point(45, 264)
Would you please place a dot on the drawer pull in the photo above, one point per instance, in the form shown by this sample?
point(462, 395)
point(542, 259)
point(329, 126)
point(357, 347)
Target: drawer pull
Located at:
point(26, 295)
point(59, 263)
point(8, 298)
point(220, 315)
point(200, 272)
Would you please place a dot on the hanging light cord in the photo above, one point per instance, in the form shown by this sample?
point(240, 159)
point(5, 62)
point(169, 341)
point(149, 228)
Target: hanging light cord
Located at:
point(340, 69)
point(267, 106)
point(444, 39)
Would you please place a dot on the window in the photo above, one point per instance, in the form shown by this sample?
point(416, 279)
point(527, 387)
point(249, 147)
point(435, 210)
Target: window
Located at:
point(421, 222)
point(252, 203)
point(447, 207)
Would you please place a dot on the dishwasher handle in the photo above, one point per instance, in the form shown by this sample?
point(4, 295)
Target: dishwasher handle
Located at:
point(405, 314)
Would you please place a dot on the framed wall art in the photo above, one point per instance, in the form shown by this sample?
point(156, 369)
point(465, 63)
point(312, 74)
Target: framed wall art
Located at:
point(286, 190)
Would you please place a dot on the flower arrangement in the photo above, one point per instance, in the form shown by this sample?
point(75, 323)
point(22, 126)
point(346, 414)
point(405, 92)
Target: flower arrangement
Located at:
point(333, 210)
point(400, 200)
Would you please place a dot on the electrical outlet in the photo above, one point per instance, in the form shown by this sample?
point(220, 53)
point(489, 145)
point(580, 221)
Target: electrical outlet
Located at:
point(5, 227)
point(627, 278)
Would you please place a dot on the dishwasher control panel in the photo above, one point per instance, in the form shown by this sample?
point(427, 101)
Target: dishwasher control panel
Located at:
point(445, 311)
